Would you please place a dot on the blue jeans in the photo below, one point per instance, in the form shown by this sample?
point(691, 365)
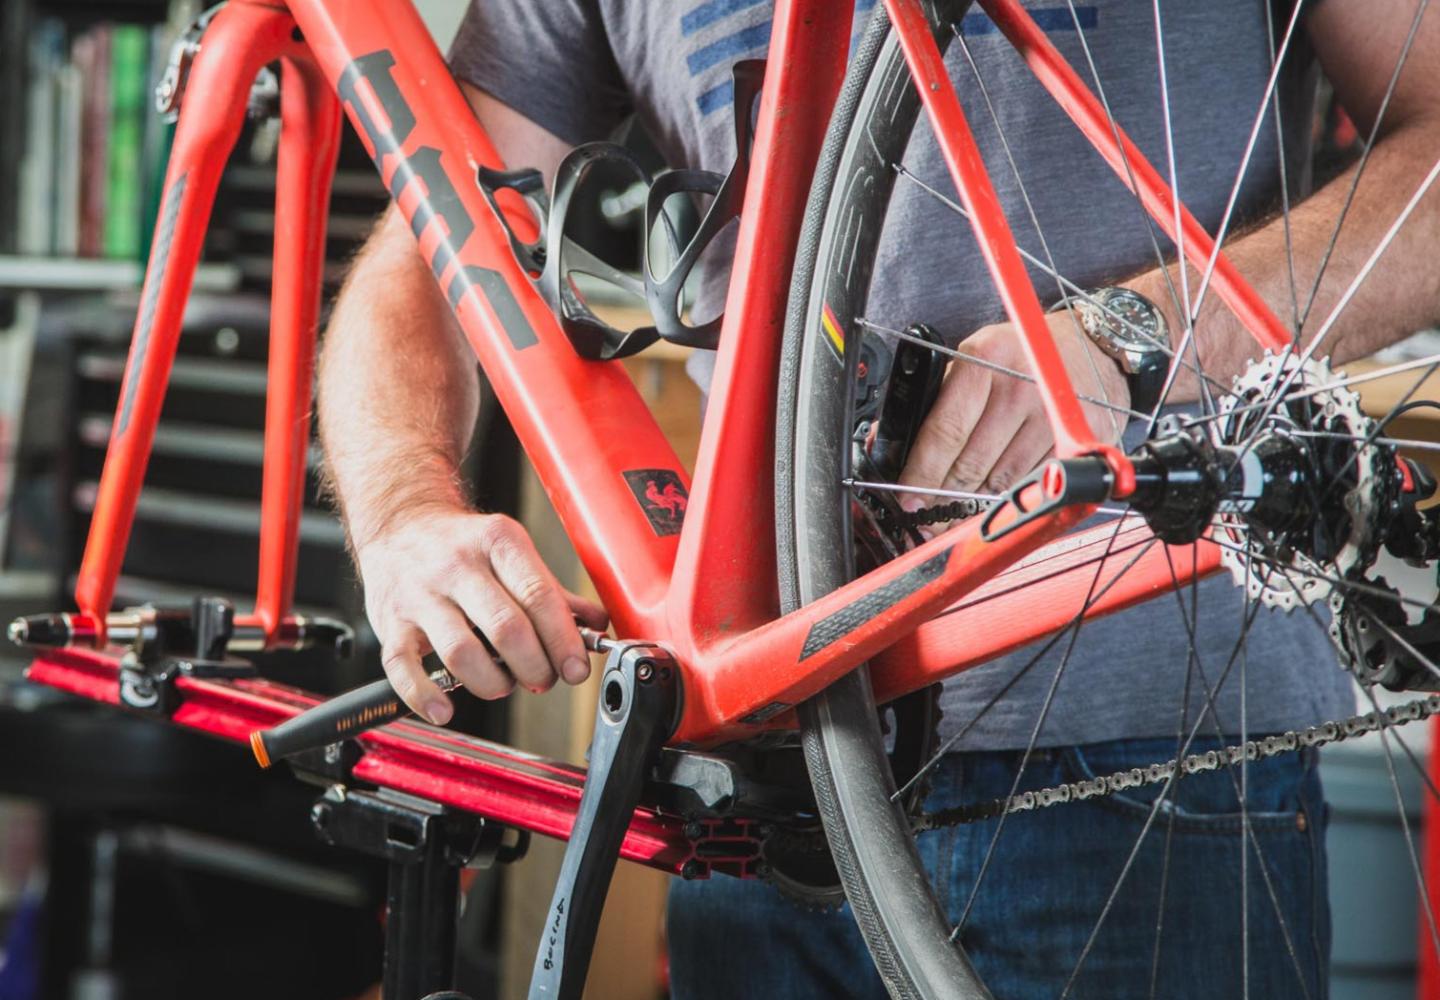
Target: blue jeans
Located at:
point(1049, 879)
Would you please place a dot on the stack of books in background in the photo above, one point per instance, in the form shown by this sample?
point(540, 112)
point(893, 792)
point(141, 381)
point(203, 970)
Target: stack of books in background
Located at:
point(95, 148)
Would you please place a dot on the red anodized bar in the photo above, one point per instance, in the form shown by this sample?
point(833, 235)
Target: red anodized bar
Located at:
point(500, 783)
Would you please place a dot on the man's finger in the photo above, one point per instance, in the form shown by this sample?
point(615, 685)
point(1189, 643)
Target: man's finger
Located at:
point(989, 440)
point(519, 568)
point(507, 626)
point(464, 655)
point(956, 411)
point(589, 612)
point(1025, 450)
point(400, 656)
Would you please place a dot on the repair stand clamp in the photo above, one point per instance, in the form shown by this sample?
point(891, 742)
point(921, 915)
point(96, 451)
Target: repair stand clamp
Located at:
point(426, 845)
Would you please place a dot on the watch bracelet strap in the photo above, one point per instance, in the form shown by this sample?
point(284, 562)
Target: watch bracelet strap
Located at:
point(1146, 386)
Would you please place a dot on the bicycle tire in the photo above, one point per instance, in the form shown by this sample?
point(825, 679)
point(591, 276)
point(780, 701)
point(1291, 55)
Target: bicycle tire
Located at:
point(870, 838)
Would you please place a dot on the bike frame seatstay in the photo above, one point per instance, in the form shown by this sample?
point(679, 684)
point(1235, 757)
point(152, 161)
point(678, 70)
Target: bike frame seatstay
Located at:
point(1059, 78)
point(1073, 435)
point(309, 144)
point(243, 37)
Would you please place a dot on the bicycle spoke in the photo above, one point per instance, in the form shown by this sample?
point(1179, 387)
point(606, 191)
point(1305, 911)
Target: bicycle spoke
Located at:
point(1234, 198)
point(1380, 425)
point(1071, 290)
point(1170, 818)
point(1244, 799)
point(1075, 623)
point(1173, 167)
point(1247, 829)
point(935, 491)
point(1115, 428)
point(1392, 442)
point(1035, 731)
point(1353, 287)
point(1283, 171)
point(1351, 585)
point(1420, 769)
point(1155, 807)
point(1132, 183)
point(928, 491)
point(1398, 368)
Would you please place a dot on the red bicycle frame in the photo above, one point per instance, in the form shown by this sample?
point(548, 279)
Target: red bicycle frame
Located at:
point(708, 592)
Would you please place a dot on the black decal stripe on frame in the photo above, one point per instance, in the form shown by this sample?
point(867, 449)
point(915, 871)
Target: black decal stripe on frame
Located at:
point(841, 623)
point(765, 713)
point(159, 258)
point(500, 298)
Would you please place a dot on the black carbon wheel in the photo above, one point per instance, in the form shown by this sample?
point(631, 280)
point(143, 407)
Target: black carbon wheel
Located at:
point(907, 933)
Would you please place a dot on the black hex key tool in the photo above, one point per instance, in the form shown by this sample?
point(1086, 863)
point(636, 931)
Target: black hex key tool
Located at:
point(366, 707)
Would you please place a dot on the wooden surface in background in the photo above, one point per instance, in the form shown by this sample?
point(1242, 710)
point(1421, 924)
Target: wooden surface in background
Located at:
point(1379, 396)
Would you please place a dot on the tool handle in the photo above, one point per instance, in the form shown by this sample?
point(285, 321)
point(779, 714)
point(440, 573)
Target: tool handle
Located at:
point(337, 719)
point(363, 708)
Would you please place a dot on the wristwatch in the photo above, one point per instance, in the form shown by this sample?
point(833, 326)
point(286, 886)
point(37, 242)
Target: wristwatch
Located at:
point(1131, 329)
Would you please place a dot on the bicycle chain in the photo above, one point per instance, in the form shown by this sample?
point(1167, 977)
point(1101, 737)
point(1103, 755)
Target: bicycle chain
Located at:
point(1211, 760)
point(955, 510)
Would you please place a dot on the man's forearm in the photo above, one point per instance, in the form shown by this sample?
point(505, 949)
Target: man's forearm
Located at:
point(1401, 295)
point(398, 390)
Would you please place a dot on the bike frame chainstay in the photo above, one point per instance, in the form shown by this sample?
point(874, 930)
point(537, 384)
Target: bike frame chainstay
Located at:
point(707, 591)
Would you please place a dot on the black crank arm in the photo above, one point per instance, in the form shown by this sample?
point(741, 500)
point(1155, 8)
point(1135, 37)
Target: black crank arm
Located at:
point(639, 694)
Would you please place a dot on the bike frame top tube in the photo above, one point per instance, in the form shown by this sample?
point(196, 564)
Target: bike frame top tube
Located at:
point(709, 591)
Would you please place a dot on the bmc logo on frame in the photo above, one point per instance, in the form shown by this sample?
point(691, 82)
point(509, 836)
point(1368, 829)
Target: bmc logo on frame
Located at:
point(662, 496)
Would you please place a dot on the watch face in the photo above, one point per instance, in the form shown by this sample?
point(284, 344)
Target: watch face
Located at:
point(1131, 319)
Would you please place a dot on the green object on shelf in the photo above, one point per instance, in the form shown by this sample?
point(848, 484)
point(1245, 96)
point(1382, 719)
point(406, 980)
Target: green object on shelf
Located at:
point(129, 72)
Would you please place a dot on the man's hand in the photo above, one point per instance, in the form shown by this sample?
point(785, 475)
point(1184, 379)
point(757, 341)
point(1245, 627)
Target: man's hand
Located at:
point(442, 570)
point(988, 429)
point(397, 404)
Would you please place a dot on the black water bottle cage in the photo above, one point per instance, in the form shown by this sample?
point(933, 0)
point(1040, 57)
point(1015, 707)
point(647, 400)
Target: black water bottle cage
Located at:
point(555, 259)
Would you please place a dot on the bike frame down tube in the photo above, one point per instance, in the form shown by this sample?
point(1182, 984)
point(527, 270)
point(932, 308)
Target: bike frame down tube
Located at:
point(593, 442)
